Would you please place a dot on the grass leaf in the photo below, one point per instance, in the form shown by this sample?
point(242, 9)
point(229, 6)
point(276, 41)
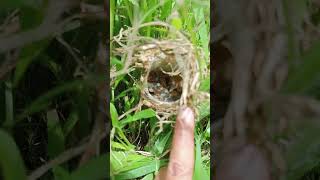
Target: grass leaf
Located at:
point(95, 169)
point(114, 116)
point(27, 56)
point(56, 138)
point(304, 151)
point(204, 109)
point(11, 162)
point(122, 161)
point(205, 85)
point(142, 170)
point(160, 144)
point(308, 72)
point(199, 172)
point(9, 122)
point(148, 177)
point(70, 123)
point(147, 113)
point(45, 100)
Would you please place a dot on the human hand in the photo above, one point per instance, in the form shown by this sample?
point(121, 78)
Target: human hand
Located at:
point(181, 162)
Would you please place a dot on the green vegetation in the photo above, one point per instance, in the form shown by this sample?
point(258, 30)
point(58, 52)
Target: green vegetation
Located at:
point(303, 157)
point(49, 54)
point(138, 148)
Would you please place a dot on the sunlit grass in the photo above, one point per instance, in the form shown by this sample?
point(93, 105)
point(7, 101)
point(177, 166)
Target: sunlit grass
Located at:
point(138, 149)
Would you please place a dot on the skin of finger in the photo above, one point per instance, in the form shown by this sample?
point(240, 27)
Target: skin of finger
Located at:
point(162, 174)
point(181, 162)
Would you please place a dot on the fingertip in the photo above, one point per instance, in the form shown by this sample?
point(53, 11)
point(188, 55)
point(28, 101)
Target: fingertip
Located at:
point(180, 167)
point(186, 116)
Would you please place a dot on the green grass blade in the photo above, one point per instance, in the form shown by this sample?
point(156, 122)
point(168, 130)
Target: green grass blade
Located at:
point(114, 116)
point(148, 177)
point(118, 146)
point(152, 10)
point(70, 123)
point(304, 150)
point(166, 10)
point(9, 122)
point(308, 72)
point(117, 125)
point(160, 144)
point(27, 56)
point(199, 172)
point(205, 85)
point(95, 169)
point(142, 170)
point(203, 32)
point(123, 161)
point(112, 14)
point(60, 172)
point(204, 109)
point(56, 137)
point(144, 114)
point(44, 101)
point(11, 162)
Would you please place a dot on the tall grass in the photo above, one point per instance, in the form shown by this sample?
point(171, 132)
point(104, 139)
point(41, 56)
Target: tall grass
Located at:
point(138, 148)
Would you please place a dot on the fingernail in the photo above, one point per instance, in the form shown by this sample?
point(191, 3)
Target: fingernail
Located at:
point(186, 114)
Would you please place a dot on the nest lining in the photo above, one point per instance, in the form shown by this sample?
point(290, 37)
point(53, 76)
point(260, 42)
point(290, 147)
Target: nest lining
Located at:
point(170, 73)
point(164, 87)
point(170, 69)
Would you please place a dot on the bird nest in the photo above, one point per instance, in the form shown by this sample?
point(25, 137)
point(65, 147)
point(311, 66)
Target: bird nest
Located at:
point(170, 70)
point(170, 73)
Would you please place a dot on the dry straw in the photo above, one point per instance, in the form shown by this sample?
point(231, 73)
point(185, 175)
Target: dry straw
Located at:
point(170, 69)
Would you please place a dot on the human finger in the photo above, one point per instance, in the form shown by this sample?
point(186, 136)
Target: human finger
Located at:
point(181, 162)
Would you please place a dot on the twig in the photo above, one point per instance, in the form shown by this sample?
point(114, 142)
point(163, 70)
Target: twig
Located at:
point(101, 89)
point(121, 72)
point(33, 35)
point(70, 50)
point(65, 156)
point(243, 42)
point(11, 57)
point(93, 11)
point(132, 37)
point(7, 66)
point(48, 27)
point(8, 20)
point(89, 8)
point(130, 110)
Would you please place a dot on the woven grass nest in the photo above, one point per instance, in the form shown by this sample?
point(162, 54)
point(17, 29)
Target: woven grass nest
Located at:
point(170, 71)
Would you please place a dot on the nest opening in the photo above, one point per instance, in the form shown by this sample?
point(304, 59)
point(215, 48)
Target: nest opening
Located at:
point(163, 85)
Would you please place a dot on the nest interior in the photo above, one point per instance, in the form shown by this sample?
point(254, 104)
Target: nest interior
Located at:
point(169, 73)
point(164, 86)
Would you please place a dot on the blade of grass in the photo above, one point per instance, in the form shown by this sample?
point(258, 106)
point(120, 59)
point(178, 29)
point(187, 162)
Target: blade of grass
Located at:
point(117, 125)
point(9, 122)
point(123, 161)
point(148, 177)
point(44, 101)
point(308, 72)
point(70, 123)
point(11, 162)
point(199, 171)
point(142, 170)
point(95, 169)
point(27, 56)
point(160, 144)
point(56, 137)
point(144, 114)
